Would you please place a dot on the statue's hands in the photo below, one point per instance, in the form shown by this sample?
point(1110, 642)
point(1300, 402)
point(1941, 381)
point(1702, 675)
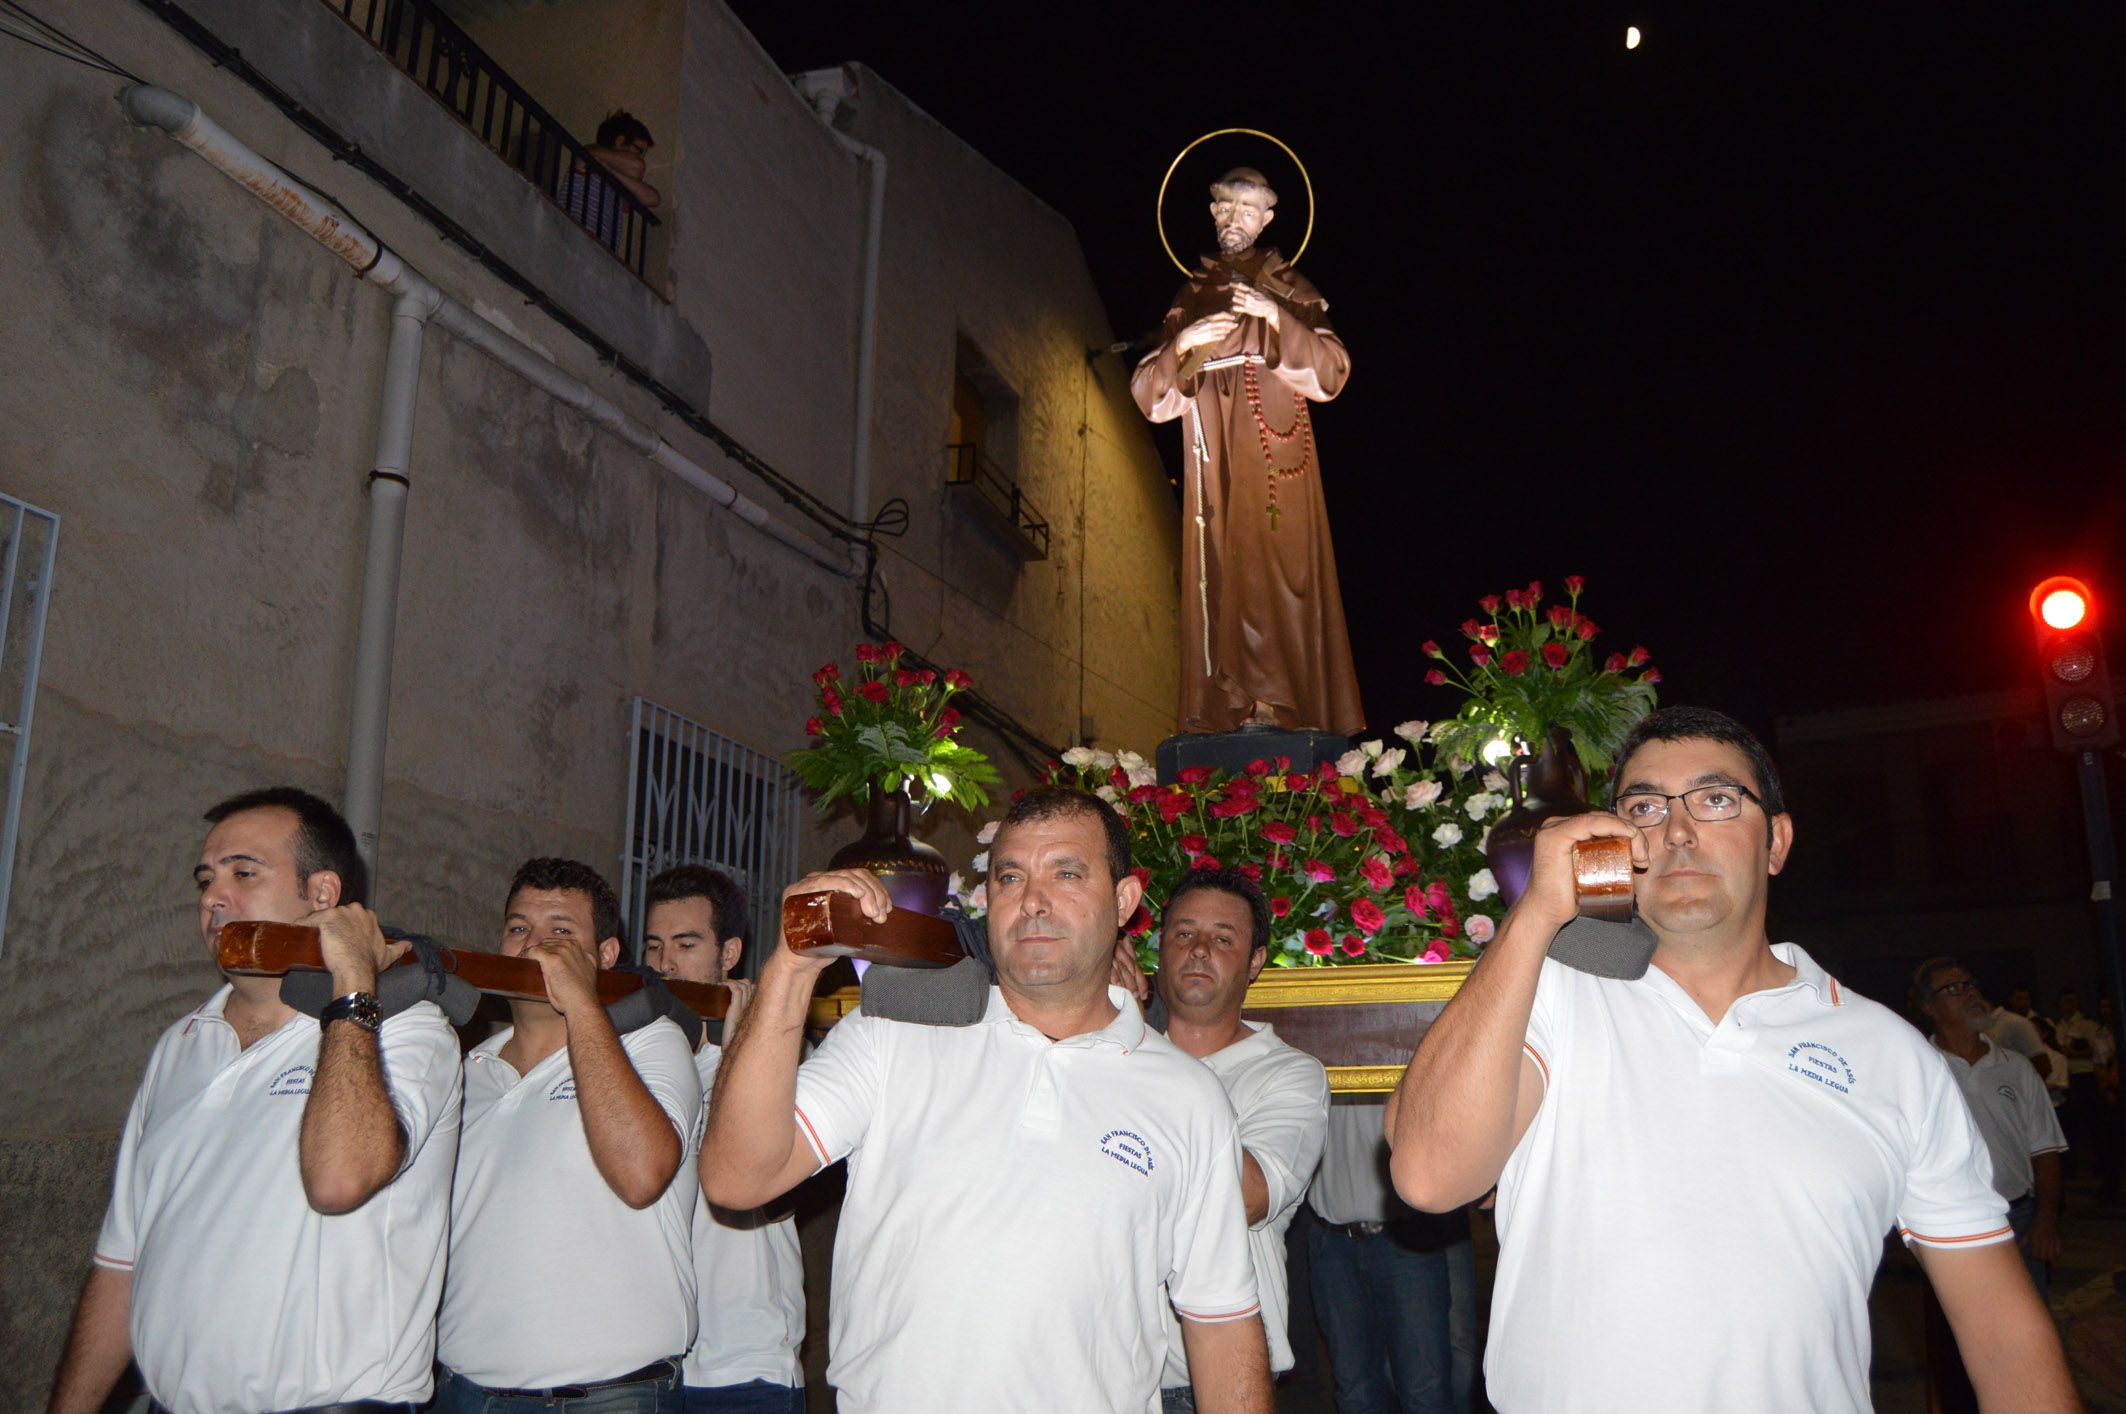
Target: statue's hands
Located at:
point(1208, 331)
point(1254, 304)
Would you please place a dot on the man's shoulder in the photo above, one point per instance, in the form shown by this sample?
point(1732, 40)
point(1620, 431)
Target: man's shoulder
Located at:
point(1265, 1059)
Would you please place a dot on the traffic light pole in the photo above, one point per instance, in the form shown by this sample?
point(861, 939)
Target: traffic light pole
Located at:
point(2103, 871)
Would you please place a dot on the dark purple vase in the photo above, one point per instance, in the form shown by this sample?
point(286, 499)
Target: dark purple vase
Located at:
point(913, 873)
point(1545, 786)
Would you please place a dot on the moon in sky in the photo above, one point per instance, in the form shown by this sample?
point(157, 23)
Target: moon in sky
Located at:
point(1631, 36)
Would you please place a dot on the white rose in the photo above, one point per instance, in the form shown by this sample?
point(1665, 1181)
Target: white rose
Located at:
point(1479, 928)
point(1103, 761)
point(980, 863)
point(1482, 886)
point(1411, 731)
point(1389, 760)
point(1108, 794)
point(1142, 775)
point(1494, 782)
point(1078, 757)
point(1447, 834)
point(1351, 763)
point(955, 885)
point(1371, 748)
point(978, 901)
point(988, 833)
point(1420, 795)
point(1480, 805)
point(1129, 761)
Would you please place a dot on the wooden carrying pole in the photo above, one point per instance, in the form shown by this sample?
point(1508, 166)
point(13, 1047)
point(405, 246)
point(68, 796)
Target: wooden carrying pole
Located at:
point(829, 924)
point(271, 949)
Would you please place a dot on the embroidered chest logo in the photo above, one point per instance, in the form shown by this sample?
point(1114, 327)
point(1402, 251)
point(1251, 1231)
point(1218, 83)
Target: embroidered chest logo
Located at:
point(563, 1089)
point(1127, 1147)
point(1815, 1061)
point(295, 1080)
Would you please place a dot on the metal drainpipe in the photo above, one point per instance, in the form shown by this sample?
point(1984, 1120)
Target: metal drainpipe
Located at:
point(827, 89)
point(368, 727)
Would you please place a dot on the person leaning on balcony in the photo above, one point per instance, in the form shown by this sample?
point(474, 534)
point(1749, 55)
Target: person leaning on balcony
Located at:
point(622, 144)
point(1027, 1193)
point(1695, 1168)
point(276, 1226)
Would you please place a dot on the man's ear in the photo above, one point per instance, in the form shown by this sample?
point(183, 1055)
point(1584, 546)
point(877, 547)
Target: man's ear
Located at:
point(322, 889)
point(1129, 892)
point(1258, 960)
point(1782, 841)
point(608, 954)
point(732, 950)
point(1269, 214)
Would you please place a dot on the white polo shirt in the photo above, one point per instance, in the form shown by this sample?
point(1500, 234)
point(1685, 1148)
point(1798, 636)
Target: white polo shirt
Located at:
point(1280, 1099)
point(1019, 1210)
point(750, 1279)
point(244, 1296)
point(2013, 1113)
point(554, 1280)
point(1693, 1218)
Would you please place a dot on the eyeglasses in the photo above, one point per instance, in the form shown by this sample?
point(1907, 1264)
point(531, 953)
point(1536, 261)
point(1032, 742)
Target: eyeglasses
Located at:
point(1967, 987)
point(1648, 808)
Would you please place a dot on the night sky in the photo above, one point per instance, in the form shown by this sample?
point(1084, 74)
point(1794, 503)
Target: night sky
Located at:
point(1801, 334)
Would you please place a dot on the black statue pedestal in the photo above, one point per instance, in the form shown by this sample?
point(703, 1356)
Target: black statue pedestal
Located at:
point(1232, 751)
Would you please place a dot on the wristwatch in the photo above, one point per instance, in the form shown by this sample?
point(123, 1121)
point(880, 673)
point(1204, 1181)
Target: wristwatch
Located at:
point(358, 1007)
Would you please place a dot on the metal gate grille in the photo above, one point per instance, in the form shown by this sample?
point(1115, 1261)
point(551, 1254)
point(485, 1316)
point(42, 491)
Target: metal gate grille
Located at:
point(25, 593)
point(698, 797)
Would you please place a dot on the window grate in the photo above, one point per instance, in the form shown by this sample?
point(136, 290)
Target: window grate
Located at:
point(698, 797)
point(26, 566)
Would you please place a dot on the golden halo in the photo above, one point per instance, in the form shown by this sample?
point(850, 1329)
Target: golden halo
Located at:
point(1159, 209)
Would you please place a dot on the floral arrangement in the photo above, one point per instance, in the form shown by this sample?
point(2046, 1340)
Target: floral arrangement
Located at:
point(890, 727)
point(1530, 671)
point(1376, 857)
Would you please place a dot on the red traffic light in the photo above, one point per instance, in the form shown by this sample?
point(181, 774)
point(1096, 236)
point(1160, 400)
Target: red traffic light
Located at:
point(2062, 602)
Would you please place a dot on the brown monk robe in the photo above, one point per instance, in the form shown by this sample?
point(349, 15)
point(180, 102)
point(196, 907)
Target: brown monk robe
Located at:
point(1262, 620)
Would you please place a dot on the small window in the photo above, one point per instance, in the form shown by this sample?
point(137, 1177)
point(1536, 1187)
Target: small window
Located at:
point(26, 563)
point(982, 454)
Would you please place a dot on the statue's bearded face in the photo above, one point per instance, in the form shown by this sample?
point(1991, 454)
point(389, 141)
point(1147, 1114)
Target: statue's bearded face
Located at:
point(1239, 218)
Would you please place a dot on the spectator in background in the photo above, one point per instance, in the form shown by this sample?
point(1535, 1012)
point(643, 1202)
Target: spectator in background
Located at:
point(2014, 1030)
point(2074, 1036)
point(2008, 1103)
point(623, 144)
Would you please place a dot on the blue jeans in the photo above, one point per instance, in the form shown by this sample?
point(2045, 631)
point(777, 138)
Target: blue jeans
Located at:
point(1383, 1300)
point(457, 1395)
point(752, 1397)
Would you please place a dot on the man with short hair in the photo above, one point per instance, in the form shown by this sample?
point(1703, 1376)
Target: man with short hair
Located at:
point(1695, 1167)
point(2008, 1103)
point(749, 1273)
point(275, 1234)
point(571, 1266)
point(1025, 1193)
point(1214, 937)
point(620, 149)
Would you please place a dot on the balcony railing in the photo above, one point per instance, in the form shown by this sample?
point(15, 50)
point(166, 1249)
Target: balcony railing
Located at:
point(998, 496)
point(424, 42)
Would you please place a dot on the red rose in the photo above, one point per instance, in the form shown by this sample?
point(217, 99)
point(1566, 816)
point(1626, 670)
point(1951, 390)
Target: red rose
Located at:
point(948, 723)
point(1560, 616)
point(1470, 627)
point(1405, 864)
point(1313, 824)
point(957, 680)
point(1615, 663)
point(929, 676)
point(865, 653)
point(1139, 794)
point(1234, 806)
point(1370, 815)
point(1141, 874)
point(1587, 629)
point(1436, 678)
point(1258, 767)
point(1489, 633)
point(1205, 861)
point(1367, 915)
point(832, 701)
point(1387, 839)
point(1173, 804)
point(1574, 584)
point(1489, 603)
point(1325, 773)
point(1319, 871)
point(1555, 654)
point(1376, 872)
point(1650, 675)
point(1638, 656)
point(1278, 859)
point(1193, 775)
point(1431, 650)
point(1450, 928)
point(1343, 823)
point(1533, 592)
point(1193, 845)
point(1354, 946)
point(1280, 906)
point(1513, 598)
point(1479, 654)
point(1414, 900)
point(814, 727)
point(874, 691)
point(1318, 942)
point(1253, 872)
point(826, 675)
point(907, 677)
point(1436, 896)
point(1514, 662)
point(891, 651)
point(1140, 922)
point(1284, 764)
point(1278, 832)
